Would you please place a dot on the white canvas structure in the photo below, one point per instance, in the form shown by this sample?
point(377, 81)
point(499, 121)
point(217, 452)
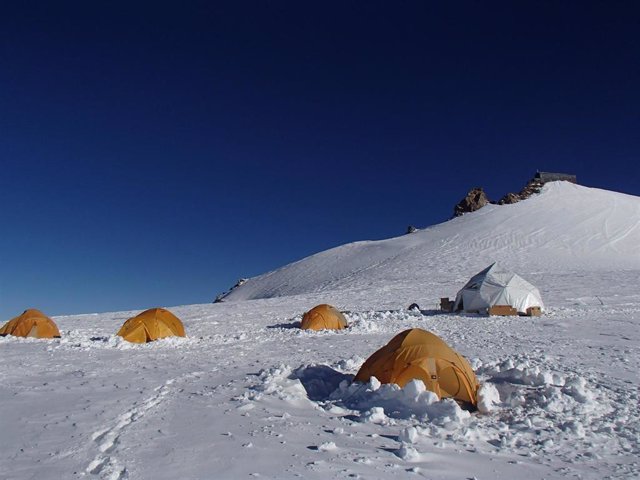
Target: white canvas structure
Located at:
point(493, 286)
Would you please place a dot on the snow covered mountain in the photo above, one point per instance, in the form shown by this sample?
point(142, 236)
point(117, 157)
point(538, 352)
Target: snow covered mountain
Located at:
point(566, 227)
point(248, 394)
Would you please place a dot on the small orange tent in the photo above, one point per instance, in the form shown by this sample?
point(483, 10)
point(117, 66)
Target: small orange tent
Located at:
point(418, 354)
point(151, 325)
point(32, 323)
point(323, 317)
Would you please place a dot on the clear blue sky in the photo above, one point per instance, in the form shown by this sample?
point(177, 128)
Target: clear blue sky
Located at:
point(152, 153)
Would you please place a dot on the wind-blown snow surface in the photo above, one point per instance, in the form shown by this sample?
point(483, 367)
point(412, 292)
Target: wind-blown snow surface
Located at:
point(248, 394)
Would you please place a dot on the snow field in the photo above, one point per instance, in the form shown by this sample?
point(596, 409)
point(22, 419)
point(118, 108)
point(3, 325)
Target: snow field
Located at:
point(528, 407)
point(248, 394)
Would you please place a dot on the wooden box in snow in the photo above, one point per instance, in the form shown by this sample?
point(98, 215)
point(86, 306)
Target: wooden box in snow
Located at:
point(503, 310)
point(534, 312)
point(446, 305)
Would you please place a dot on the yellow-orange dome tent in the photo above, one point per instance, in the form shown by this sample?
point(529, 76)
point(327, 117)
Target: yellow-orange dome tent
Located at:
point(151, 325)
point(32, 323)
point(418, 354)
point(323, 317)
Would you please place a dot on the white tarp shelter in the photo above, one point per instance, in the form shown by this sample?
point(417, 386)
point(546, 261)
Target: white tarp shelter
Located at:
point(493, 286)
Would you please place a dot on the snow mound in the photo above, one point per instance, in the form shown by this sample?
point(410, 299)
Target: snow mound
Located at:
point(533, 406)
point(81, 340)
point(376, 402)
point(372, 402)
point(488, 398)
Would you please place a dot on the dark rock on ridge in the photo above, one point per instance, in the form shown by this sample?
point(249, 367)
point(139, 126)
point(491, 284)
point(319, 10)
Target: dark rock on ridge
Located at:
point(533, 186)
point(509, 198)
point(475, 200)
point(220, 297)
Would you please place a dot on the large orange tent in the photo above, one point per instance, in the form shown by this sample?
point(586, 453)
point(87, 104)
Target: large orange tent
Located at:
point(151, 325)
point(32, 323)
point(418, 354)
point(323, 317)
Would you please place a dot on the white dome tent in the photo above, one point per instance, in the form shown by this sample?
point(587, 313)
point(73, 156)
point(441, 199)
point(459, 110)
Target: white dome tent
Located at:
point(492, 287)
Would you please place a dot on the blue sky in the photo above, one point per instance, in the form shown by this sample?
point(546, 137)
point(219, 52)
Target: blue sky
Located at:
point(153, 153)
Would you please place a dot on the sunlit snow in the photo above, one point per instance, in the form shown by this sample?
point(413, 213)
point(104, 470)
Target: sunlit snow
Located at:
point(248, 394)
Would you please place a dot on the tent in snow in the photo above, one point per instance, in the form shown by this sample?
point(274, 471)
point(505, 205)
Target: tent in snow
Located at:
point(32, 323)
point(493, 286)
point(151, 325)
point(416, 354)
point(323, 317)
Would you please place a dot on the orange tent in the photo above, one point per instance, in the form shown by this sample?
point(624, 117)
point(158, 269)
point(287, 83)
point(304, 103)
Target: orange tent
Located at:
point(151, 325)
point(323, 317)
point(32, 323)
point(418, 354)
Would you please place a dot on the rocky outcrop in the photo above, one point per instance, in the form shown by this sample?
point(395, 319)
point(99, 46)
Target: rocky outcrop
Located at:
point(220, 297)
point(509, 198)
point(475, 200)
point(533, 186)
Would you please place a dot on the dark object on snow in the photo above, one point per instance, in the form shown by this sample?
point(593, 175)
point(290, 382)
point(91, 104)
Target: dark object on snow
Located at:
point(411, 229)
point(414, 307)
point(220, 297)
point(509, 198)
point(475, 200)
point(534, 312)
point(545, 177)
point(446, 305)
point(535, 185)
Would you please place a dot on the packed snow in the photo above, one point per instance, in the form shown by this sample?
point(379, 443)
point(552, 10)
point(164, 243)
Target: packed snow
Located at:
point(249, 394)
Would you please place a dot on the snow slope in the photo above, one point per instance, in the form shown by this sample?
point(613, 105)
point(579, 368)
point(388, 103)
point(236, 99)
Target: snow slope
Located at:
point(566, 227)
point(249, 395)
